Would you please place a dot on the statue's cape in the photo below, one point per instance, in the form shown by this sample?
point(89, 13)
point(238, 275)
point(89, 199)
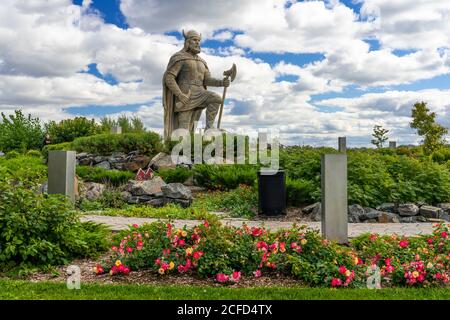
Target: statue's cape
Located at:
point(168, 98)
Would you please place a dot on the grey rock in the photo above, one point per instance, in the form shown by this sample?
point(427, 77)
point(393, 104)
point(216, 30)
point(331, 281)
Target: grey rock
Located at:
point(354, 212)
point(43, 188)
point(88, 161)
point(387, 207)
point(99, 159)
point(309, 209)
point(139, 199)
point(82, 155)
point(91, 190)
point(146, 187)
point(445, 207)
point(407, 219)
point(431, 212)
point(156, 202)
point(388, 217)
point(104, 165)
point(420, 219)
point(161, 161)
point(370, 221)
point(316, 214)
point(182, 202)
point(176, 191)
point(446, 217)
point(370, 213)
point(408, 209)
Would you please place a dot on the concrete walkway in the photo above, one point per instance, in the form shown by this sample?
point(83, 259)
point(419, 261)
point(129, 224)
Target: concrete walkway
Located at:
point(354, 229)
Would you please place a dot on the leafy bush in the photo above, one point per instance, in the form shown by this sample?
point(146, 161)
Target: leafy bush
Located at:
point(40, 231)
point(12, 155)
point(66, 146)
point(148, 143)
point(300, 191)
point(111, 198)
point(23, 170)
point(441, 156)
point(179, 174)
point(101, 175)
point(20, 133)
point(224, 177)
point(128, 125)
point(69, 129)
point(34, 153)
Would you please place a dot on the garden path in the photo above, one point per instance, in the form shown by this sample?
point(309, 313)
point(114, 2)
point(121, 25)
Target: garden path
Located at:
point(354, 229)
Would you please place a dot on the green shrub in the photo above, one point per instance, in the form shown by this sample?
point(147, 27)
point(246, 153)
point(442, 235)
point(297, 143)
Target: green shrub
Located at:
point(12, 155)
point(101, 175)
point(66, 146)
point(34, 153)
point(179, 174)
point(111, 198)
point(69, 129)
point(224, 177)
point(23, 170)
point(148, 143)
point(41, 231)
point(300, 191)
point(20, 133)
point(441, 156)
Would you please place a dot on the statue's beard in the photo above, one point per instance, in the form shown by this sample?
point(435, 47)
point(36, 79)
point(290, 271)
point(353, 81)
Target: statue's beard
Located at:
point(194, 50)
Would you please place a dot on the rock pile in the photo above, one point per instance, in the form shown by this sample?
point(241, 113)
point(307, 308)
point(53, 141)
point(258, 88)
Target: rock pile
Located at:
point(388, 212)
point(117, 160)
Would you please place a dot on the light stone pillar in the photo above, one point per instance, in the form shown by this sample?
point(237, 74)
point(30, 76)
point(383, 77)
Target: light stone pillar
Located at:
point(392, 144)
point(334, 197)
point(61, 173)
point(116, 130)
point(342, 143)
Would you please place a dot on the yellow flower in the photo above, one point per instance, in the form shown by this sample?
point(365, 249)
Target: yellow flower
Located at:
point(118, 263)
point(179, 232)
point(171, 265)
point(183, 233)
point(429, 265)
point(161, 271)
point(303, 242)
point(189, 251)
point(348, 273)
point(415, 274)
point(355, 260)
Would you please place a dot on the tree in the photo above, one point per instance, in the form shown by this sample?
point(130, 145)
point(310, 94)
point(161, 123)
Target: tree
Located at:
point(427, 127)
point(128, 125)
point(68, 130)
point(20, 133)
point(380, 136)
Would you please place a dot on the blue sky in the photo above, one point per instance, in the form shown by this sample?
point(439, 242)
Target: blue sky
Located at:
point(315, 70)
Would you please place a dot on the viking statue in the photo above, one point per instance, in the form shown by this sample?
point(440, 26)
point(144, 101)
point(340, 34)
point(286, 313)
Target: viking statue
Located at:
point(185, 92)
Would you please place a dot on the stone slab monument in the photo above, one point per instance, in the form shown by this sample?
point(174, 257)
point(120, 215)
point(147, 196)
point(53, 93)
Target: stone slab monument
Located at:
point(342, 144)
point(185, 88)
point(334, 197)
point(61, 173)
point(116, 130)
point(392, 144)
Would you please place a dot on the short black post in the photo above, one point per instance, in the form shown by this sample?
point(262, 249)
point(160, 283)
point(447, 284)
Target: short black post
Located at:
point(271, 193)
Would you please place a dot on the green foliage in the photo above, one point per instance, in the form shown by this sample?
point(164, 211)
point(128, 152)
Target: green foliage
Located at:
point(178, 174)
point(23, 170)
point(426, 125)
point(224, 177)
point(66, 146)
point(34, 153)
point(379, 133)
point(148, 143)
point(101, 175)
point(69, 129)
point(20, 133)
point(300, 191)
point(112, 198)
point(12, 155)
point(441, 156)
point(128, 125)
point(40, 231)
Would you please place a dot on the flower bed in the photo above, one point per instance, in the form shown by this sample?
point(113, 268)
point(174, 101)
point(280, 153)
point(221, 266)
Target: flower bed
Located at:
point(227, 254)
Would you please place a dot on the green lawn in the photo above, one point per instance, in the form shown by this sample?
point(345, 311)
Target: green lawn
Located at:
point(15, 289)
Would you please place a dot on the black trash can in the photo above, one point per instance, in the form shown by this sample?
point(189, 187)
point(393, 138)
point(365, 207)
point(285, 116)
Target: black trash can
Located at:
point(271, 193)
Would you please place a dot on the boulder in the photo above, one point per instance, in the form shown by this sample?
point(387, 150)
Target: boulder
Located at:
point(388, 217)
point(309, 209)
point(136, 163)
point(370, 213)
point(183, 203)
point(161, 161)
point(316, 214)
point(387, 207)
point(445, 207)
point(104, 165)
point(92, 190)
point(446, 217)
point(413, 219)
point(176, 191)
point(370, 221)
point(431, 212)
point(408, 210)
point(146, 187)
point(99, 159)
point(354, 212)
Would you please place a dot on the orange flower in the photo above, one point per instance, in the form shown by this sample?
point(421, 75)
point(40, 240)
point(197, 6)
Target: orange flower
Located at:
point(161, 271)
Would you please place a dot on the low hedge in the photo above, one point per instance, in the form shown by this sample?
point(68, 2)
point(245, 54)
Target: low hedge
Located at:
point(101, 175)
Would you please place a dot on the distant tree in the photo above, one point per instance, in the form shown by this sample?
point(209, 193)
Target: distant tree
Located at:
point(69, 129)
point(380, 136)
point(424, 121)
point(128, 125)
point(20, 133)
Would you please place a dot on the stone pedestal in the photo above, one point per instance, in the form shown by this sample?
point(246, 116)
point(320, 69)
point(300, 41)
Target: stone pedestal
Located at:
point(116, 130)
point(334, 197)
point(342, 143)
point(61, 173)
point(392, 144)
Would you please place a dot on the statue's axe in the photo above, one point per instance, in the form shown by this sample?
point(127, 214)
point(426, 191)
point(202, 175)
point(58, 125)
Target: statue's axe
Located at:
point(231, 74)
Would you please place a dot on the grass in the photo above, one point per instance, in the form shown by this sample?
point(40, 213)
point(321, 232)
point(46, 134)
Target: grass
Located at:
point(18, 289)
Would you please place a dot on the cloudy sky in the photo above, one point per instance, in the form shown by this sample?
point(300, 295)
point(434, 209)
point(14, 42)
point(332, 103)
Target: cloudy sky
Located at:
point(314, 70)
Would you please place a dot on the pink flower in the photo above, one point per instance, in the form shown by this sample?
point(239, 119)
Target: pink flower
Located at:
point(342, 269)
point(256, 232)
point(114, 248)
point(135, 226)
point(139, 243)
point(293, 245)
point(273, 246)
point(261, 245)
point(158, 261)
point(236, 276)
point(222, 277)
point(165, 266)
point(430, 241)
point(197, 255)
point(387, 261)
point(181, 242)
point(129, 249)
point(126, 270)
point(206, 224)
point(373, 237)
point(121, 267)
point(403, 243)
point(444, 234)
point(335, 282)
point(257, 273)
point(282, 246)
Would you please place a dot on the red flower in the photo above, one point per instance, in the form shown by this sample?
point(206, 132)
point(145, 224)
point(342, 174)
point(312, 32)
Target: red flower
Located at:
point(236, 276)
point(135, 226)
point(158, 261)
point(342, 269)
point(126, 270)
point(293, 245)
point(222, 277)
point(139, 243)
point(256, 232)
point(335, 282)
point(257, 273)
point(121, 267)
point(206, 224)
point(387, 261)
point(444, 234)
point(129, 249)
point(430, 241)
point(373, 237)
point(197, 255)
point(261, 245)
point(403, 243)
point(114, 248)
point(181, 242)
